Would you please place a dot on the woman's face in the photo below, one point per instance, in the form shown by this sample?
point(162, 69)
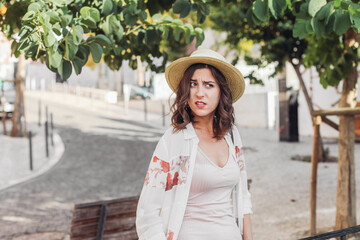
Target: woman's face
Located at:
point(204, 94)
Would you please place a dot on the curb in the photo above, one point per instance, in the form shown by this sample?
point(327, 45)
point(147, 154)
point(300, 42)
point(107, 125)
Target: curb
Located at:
point(53, 160)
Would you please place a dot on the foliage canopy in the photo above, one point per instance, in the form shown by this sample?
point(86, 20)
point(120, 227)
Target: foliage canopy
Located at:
point(64, 33)
point(309, 32)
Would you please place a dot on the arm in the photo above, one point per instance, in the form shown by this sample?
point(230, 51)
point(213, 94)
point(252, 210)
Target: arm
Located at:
point(149, 224)
point(247, 227)
point(245, 194)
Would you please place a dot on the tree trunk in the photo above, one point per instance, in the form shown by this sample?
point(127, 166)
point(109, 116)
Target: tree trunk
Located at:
point(346, 192)
point(345, 199)
point(18, 114)
point(322, 153)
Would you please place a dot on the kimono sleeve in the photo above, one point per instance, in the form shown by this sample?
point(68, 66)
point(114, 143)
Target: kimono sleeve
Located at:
point(247, 206)
point(149, 225)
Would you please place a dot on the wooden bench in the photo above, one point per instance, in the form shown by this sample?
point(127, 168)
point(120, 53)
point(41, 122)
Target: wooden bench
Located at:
point(114, 219)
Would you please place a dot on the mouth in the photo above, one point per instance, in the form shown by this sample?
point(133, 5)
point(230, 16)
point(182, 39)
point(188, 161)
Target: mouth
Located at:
point(200, 104)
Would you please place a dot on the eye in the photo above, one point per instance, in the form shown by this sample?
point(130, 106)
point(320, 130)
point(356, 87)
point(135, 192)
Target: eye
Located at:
point(193, 84)
point(209, 85)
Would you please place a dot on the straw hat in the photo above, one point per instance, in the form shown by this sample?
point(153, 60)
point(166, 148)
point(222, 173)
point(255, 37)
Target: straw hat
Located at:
point(175, 71)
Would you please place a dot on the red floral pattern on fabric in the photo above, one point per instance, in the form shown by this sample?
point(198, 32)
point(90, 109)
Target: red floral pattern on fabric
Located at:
point(175, 170)
point(165, 166)
point(171, 181)
point(155, 159)
point(170, 236)
point(240, 158)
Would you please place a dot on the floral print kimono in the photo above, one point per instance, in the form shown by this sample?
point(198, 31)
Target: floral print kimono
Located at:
point(167, 183)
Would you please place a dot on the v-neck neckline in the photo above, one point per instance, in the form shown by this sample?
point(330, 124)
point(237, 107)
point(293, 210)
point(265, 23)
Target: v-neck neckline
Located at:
point(213, 163)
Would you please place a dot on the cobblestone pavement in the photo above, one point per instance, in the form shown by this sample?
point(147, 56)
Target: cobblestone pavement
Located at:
point(93, 167)
point(106, 157)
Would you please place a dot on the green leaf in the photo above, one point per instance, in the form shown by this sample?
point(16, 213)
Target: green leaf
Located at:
point(65, 20)
point(59, 3)
point(182, 7)
point(89, 23)
point(342, 22)
point(35, 7)
point(117, 50)
point(277, 7)
point(112, 26)
point(330, 25)
point(354, 17)
point(199, 36)
point(49, 39)
point(77, 66)
point(54, 17)
point(57, 29)
point(24, 46)
point(337, 3)
point(29, 16)
point(310, 26)
point(167, 32)
point(189, 37)
point(26, 30)
point(319, 28)
point(177, 22)
point(315, 6)
point(130, 19)
point(189, 26)
point(103, 40)
point(78, 33)
point(150, 36)
point(261, 10)
point(323, 81)
point(55, 59)
point(289, 5)
point(89, 12)
point(70, 47)
point(167, 19)
point(65, 69)
point(299, 30)
point(178, 33)
point(325, 12)
point(157, 18)
point(143, 16)
point(94, 14)
point(83, 54)
point(107, 7)
point(14, 46)
point(96, 51)
point(140, 37)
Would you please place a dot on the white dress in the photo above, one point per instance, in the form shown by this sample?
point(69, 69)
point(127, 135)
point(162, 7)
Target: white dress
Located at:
point(208, 214)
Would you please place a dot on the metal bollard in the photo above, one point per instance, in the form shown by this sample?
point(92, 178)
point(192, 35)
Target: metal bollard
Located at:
point(46, 139)
point(39, 113)
point(145, 109)
point(52, 129)
point(30, 150)
point(46, 113)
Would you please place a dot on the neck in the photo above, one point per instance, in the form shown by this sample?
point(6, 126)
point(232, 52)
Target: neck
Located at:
point(204, 124)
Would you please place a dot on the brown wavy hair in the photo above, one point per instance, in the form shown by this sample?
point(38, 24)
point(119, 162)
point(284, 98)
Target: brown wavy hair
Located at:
point(224, 113)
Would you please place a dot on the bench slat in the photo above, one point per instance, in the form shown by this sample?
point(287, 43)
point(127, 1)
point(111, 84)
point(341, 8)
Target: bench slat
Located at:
point(118, 221)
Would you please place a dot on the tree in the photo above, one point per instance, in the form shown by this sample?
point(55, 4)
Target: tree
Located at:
point(324, 34)
point(64, 33)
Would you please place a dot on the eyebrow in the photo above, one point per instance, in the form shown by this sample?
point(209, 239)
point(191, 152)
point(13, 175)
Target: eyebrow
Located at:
point(194, 80)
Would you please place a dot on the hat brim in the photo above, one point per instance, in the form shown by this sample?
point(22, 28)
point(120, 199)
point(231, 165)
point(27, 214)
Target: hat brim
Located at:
point(175, 71)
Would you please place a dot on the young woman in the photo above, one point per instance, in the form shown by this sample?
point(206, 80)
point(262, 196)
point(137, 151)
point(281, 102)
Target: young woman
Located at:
point(196, 184)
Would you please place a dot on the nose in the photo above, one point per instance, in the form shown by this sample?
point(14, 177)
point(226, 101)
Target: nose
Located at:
point(200, 91)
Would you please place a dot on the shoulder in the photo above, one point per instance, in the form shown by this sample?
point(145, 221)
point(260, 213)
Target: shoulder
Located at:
point(236, 134)
point(171, 136)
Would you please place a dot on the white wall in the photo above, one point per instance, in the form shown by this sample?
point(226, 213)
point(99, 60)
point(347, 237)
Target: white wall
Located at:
point(258, 110)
